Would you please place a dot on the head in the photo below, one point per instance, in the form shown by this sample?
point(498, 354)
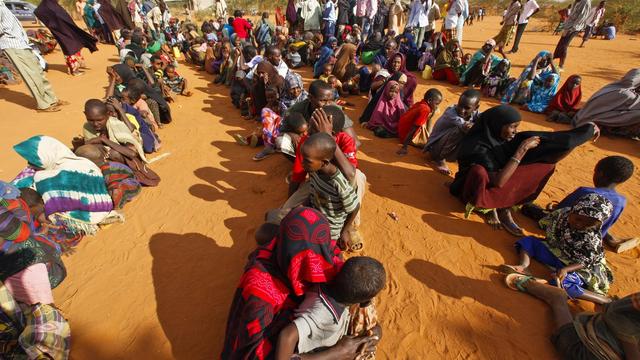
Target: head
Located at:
point(602, 4)
point(318, 152)
point(359, 281)
point(266, 232)
point(272, 97)
point(337, 117)
point(551, 81)
point(574, 82)
point(545, 59)
point(273, 54)
point(230, 21)
point(393, 90)
point(170, 71)
point(589, 213)
point(249, 52)
point(237, 13)
point(95, 153)
point(320, 94)
point(33, 200)
point(156, 63)
point(327, 69)
point(134, 95)
point(433, 97)
point(332, 80)
point(466, 58)
point(396, 62)
point(612, 170)
point(296, 123)
point(468, 103)
point(503, 66)
point(390, 48)
point(502, 121)
point(95, 112)
point(265, 15)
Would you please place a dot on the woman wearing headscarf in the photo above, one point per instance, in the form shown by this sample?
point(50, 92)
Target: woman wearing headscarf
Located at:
point(509, 23)
point(293, 93)
point(345, 68)
point(30, 267)
point(387, 112)
point(574, 248)
point(72, 188)
point(326, 53)
point(276, 277)
point(410, 86)
point(70, 37)
point(576, 22)
point(409, 48)
point(564, 105)
point(500, 168)
point(447, 61)
point(615, 107)
point(267, 76)
point(541, 93)
point(481, 64)
point(538, 70)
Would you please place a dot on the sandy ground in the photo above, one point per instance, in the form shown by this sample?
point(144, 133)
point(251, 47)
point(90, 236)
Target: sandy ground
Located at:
point(159, 286)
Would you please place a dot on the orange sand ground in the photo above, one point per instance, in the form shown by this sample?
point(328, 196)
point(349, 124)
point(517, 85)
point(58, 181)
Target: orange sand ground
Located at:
point(160, 285)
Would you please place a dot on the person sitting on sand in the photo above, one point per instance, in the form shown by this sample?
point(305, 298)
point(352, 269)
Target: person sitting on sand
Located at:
point(119, 178)
point(455, 122)
point(447, 61)
point(541, 93)
point(267, 133)
point(615, 107)
point(564, 105)
point(175, 82)
point(538, 70)
point(386, 115)
point(292, 130)
point(609, 172)
point(330, 191)
point(322, 319)
point(615, 331)
point(496, 82)
point(294, 92)
point(115, 135)
point(253, 323)
point(415, 125)
point(499, 168)
point(481, 64)
point(573, 246)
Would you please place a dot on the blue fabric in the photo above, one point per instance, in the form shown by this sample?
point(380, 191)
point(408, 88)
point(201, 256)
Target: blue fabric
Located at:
point(8, 191)
point(365, 79)
point(537, 250)
point(619, 202)
point(325, 54)
point(512, 90)
point(541, 95)
point(148, 138)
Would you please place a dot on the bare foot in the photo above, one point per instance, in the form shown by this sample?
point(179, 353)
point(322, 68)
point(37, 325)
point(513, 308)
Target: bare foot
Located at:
point(507, 222)
point(493, 220)
point(514, 269)
point(442, 167)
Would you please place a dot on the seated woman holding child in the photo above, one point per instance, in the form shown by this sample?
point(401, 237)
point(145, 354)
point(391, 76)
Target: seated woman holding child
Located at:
point(500, 168)
point(615, 107)
point(536, 85)
point(447, 63)
point(345, 69)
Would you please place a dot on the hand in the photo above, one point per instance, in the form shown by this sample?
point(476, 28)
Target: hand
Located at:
point(349, 347)
point(77, 142)
point(345, 240)
point(111, 73)
point(321, 121)
point(529, 143)
point(468, 125)
point(115, 103)
point(501, 22)
point(403, 151)
point(596, 132)
point(94, 141)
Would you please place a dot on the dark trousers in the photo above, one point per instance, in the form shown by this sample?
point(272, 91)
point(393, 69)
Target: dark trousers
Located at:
point(519, 32)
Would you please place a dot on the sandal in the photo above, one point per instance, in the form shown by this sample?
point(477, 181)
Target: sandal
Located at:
point(50, 109)
point(517, 281)
point(263, 154)
point(240, 140)
point(510, 269)
point(356, 244)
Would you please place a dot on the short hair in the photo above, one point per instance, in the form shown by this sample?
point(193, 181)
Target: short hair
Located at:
point(230, 20)
point(265, 15)
point(170, 67)
point(31, 197)
point(137, 38)
point(360, 279)
point(337, 116)
point(615, 169)
point(237, 13)
point(432, 93)
point(136, 85)
point(155, 57)
point(265, 233)
point(270, 50)
point(322, 142)
point(293, 121)
point(249, 52)
point(471, 94)
point(95, 105)
point(91, 152)
point(317, 86)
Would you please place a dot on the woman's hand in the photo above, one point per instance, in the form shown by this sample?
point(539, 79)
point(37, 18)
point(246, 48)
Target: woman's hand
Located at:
point(349, 347)
point(596, 132)
point(529, 144)
point(115, 103)
point(77, 142)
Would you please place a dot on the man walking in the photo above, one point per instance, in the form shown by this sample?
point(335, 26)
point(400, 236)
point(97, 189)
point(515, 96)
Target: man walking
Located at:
point(15, 44)
point(529, 9)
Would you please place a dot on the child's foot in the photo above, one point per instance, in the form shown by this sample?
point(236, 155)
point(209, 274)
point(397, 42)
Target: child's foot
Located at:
point(514, 269)
point(623, 245)
point(187, 93)
point(442, 168)
point(506, 219)
point(263, 154)
point(520, 282)
point(241, 139)
point(493, 220)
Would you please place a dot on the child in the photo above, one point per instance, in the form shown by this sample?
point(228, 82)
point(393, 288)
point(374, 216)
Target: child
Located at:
point(387, 112)
point(496, 81)
point(239, 89)
point(331, 193)
point(293, 128)
point(294, 59)
point(119, 178)
point(270, 129)
point(416, 124)
point(327, 69)
point(574, 248)
point(322, 319)
point(609, 172)
point(175, 82)
point(564, 105)
point(450, 128)
point(134, 98)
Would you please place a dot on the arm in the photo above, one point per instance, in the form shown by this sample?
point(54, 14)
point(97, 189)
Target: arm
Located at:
point(121, 114)
point(287, 342)
point(150, 78)
point(532, 73)
point(562, 273)
point(376, 84)
point(124, 150)
point(324, 123)
point(500, 178)
point(631, 351)
point(112, 83)
point(410, 134)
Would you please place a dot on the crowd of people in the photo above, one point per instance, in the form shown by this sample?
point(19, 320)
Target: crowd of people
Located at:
point(298, 296)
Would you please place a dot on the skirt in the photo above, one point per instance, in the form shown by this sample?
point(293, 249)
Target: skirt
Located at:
point(563, 45)
point(504, 36)
point(524, 186)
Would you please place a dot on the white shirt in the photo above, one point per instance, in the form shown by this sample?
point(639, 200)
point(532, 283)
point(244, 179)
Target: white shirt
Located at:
point(282, 69)
point(595, 16)
point(418, 15)
point(527, 10)
point(451, 20)
point(333, 13)
point(433, 14)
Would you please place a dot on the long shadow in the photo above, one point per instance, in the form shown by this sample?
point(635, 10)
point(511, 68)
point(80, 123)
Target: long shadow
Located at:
point(194, 281)
point(18, 98)
point(59, 67)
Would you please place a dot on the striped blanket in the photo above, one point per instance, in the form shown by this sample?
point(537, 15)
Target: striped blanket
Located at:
point(72, 188)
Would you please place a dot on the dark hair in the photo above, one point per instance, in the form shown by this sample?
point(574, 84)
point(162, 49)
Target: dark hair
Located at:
point(615, 169)
point(317, 86)
point(265, 15)
point(136, 85)
point(134, 94)
point(432, 94)
point(270, 50)
point(155, 57)
point(471, 94)
point(95, 105)
point(230, 20)
point(249, 52)
point(237, 13)
point(137, 38)
point(322, 142)
point(170, 66)
point(292, 122)
point(360, 279)
point(271, 89)
point(265, 233)
point(337, 115)
point(31, 197)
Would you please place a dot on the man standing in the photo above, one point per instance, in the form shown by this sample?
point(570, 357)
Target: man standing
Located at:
point(461, 20)
point(592, 23)
point(419, 19)
point(330, 16)
point(454, 12)
point(508, 25)
point(15, 44)
point(529, 9)
point(572, 26)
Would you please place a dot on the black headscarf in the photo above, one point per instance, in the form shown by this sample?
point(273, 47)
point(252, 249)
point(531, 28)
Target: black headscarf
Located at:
point(136, 46)
point(130, 81)
point(125, 73)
